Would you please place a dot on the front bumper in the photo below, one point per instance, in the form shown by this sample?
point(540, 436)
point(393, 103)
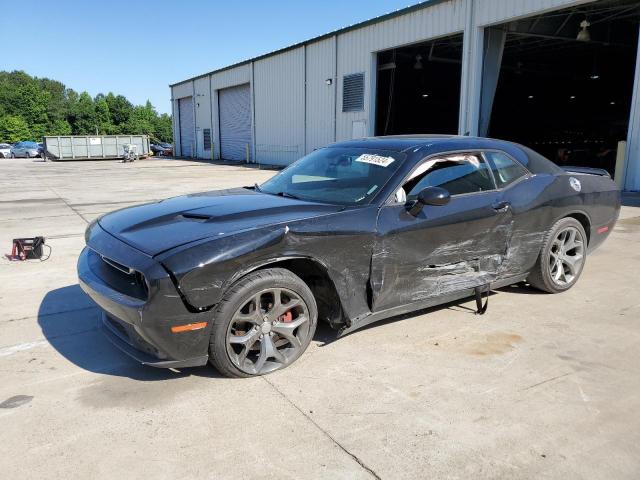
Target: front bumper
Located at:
point(139, 320)
point(125, 338)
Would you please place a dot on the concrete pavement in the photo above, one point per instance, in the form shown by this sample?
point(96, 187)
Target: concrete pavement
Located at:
point(542, 386)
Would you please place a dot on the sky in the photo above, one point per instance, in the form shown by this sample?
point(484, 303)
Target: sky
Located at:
point(138, 47)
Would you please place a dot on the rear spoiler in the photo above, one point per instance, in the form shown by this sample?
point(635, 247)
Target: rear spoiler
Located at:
point(587, 170)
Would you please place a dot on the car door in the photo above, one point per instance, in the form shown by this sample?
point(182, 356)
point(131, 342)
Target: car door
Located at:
point(22, 150)
point(443, 249)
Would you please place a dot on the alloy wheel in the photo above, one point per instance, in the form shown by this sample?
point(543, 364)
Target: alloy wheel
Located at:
point(268, 331)
point(566, 256)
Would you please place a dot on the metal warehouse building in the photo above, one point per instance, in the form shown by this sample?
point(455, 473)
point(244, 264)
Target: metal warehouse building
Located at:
point(561, 76)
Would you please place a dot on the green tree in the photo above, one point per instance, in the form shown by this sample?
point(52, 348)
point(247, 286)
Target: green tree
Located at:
point(14, 129)
point(84, 116)
point(142, 120)
point(120, 108)
point(48, 107)
point(163, 128)
point(59, 127)
point(103, 116)
point(57, 102)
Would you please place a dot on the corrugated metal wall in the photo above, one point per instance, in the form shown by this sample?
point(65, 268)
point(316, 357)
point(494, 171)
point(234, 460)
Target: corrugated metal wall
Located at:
point(225, 79)
point(177, 92)
point(356, 51)
point(202, 114)
point(187, 126)
point(497, 11)
point(234, 104)
point(290, 120)
point(320, 97)
point(279, 107)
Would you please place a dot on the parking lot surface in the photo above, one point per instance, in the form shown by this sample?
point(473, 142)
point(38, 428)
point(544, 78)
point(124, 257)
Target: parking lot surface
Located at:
point(542, 386)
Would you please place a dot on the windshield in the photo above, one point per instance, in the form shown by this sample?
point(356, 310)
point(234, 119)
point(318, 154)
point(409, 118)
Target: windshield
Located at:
point(344, 176)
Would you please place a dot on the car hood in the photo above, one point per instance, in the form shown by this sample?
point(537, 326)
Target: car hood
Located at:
point(157, 227)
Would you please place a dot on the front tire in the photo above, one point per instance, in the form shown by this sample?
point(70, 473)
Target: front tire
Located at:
point(562, 258)
point(264, 323)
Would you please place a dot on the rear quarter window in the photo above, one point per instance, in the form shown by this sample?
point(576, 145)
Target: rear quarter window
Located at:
point(536, 163)
point(505, 169)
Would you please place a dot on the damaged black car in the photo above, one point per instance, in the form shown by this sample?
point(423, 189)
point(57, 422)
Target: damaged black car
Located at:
point(352, 233)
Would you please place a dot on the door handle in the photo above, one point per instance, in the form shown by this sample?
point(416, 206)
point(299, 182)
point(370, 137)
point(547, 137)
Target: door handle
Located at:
point(501, 206)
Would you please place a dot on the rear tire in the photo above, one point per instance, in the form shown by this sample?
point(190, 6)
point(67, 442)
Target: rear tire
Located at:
point(264, 322)
point(562, 258)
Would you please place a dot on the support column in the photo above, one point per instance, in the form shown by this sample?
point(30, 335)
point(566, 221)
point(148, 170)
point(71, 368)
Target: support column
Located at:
point(177, 141)
point(174, 123)
point(471, 73)
point(632, 160)
point(494, 39)
point(194, 146)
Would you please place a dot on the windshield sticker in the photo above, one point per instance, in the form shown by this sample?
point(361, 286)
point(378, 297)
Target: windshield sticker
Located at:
point(375, 160)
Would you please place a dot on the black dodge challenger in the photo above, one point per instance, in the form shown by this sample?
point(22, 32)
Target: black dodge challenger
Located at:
point(350, 234)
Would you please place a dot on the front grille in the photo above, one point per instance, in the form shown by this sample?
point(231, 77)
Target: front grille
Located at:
point(117, 266)
point(121, 278)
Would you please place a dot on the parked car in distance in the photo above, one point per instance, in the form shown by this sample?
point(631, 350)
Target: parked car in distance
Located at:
point(5, 150)
point(161, 149)
point(353, 233)
point(25, 149)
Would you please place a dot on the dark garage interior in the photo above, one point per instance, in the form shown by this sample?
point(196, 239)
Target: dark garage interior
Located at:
point(418, 88)
point(560, 82)
point(566, 80)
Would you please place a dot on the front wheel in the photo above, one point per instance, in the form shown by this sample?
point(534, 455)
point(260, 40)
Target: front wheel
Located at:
point(264, 323)
point(562, 257)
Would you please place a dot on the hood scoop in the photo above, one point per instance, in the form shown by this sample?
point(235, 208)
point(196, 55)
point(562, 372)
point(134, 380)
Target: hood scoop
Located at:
point(156, 227)
point(196, 216)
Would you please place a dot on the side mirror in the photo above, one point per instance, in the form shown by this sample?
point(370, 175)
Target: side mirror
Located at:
point(435, 196)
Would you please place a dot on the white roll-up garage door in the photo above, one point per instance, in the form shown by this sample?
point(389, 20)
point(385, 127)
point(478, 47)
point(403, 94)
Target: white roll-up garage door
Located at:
point(187, 138)
point(234, 105)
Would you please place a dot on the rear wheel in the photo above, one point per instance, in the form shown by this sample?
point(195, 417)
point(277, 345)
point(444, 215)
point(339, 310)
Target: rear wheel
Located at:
point(264, 323)
point(562, 257)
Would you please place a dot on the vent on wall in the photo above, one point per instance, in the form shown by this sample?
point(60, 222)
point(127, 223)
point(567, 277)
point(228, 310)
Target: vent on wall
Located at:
point(353, 92)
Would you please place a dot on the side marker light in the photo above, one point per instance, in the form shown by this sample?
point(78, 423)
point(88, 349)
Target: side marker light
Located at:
point(188, 327)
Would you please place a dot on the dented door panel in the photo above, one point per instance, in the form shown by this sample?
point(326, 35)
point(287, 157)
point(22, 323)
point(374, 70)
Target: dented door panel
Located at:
point(445, 248)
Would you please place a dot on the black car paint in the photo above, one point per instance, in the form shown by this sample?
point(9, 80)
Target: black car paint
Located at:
point(380, 260)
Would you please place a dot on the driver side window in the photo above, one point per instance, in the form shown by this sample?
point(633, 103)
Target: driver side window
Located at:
point(458, 173)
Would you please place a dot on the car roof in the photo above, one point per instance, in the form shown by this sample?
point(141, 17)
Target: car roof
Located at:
point(423, 145)
point(435, 143)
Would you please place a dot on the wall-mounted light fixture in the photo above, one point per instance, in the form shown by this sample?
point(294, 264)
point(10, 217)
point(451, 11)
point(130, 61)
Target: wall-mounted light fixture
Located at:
point(418, 64)
point(583, 34)
point(329, 81)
